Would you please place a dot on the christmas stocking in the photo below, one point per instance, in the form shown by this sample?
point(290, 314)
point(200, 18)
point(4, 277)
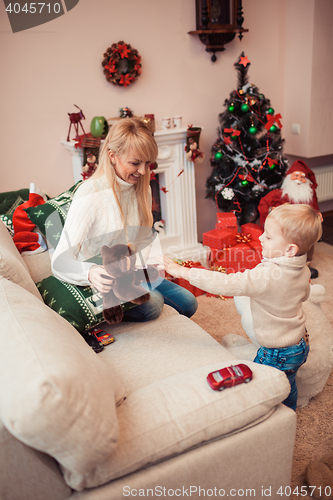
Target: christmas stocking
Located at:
point(25, 239)
point(193, 152)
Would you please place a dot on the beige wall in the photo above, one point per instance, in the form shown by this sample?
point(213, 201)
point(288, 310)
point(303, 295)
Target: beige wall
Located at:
point(308, 77)
point(48, 69)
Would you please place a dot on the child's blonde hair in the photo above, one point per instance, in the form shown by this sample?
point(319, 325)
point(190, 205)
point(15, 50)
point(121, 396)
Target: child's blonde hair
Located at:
point(129, 134)
point(300, 224)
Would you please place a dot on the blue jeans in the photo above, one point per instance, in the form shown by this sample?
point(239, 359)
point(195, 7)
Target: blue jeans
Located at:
point(168, 293)
point(289, 360)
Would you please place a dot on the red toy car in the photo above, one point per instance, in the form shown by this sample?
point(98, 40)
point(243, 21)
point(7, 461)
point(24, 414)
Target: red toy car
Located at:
point(229, 376)
point(102, 337)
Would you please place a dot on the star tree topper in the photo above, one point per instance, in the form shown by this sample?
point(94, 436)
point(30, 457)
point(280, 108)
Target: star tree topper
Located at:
point(244, 61)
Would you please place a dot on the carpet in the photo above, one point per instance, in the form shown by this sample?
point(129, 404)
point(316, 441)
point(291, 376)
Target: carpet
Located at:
point(314, 435)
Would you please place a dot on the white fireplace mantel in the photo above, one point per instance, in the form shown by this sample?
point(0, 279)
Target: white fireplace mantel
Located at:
point(179, 239)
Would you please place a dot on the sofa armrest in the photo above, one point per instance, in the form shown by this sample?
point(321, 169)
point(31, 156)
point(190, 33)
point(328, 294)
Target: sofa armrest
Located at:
point(28, 473)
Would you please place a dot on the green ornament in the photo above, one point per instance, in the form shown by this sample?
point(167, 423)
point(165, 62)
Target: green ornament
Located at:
point(253, 130)
point(261, 96)
point(244, 182)
point(218, 155)
point(270, 111)
point(271, 167)
point(234, 137)
point(245, 107)
point(99, 126)
point(273, 128)
point(231, 108)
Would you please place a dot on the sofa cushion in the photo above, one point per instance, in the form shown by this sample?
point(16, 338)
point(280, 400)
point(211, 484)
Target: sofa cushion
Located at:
point(50, 217)
point(39, 265)
point(56, 394)
point(12, 265)
point(81, 306)
point(173, 415)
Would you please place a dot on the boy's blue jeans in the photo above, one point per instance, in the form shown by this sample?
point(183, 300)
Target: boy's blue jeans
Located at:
point(288, 359)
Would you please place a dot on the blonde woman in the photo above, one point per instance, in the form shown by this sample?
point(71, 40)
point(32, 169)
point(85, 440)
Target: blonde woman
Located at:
point(114, 206)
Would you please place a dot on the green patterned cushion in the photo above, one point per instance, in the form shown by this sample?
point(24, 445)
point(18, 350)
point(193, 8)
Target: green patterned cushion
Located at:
point(50, 217)
point(24, 193)
point(7, 208)
point(81, 306)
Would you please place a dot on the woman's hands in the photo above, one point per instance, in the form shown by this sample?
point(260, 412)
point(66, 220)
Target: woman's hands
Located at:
point(99, 279)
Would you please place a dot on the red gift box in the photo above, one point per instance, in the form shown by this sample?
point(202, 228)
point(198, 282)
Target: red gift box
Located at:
point(234, 251)
point(254, 230)
point(191, 288)
point(185, 284)
point(168, 277)
point(219, 238)
point(226, 220)
point(216, 268)
point(237, 258)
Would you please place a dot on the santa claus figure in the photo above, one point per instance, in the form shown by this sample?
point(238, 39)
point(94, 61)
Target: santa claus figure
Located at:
point(89, 168)
point(299, 186)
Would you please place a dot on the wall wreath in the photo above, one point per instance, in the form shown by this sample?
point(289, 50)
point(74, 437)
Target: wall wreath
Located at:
point(121, 64)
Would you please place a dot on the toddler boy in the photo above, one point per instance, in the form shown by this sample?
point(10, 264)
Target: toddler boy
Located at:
point(276, 287)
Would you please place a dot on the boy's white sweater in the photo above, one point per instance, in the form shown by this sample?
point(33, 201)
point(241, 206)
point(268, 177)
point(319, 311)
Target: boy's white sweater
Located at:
point(276, 287)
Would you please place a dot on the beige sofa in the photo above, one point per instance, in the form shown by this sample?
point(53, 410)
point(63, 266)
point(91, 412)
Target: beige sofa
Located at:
point(138, 419)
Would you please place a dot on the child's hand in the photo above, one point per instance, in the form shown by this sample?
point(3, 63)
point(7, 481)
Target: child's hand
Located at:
point(174, 269)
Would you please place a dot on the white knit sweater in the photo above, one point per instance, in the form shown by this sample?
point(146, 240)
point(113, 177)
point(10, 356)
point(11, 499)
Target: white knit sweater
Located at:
point(94, 220)
point(276, 287)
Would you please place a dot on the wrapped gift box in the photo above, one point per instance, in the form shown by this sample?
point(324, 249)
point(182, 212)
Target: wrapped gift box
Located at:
point(237, 258)
point(254, 230)
point(220, 238)
point(184, 283)
point(226, 220)
point(220, 269)
point(168, 277)
point(234, 251)
point(193, 289)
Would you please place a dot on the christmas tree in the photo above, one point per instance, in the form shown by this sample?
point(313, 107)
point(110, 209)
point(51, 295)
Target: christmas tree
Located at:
point(247, 157)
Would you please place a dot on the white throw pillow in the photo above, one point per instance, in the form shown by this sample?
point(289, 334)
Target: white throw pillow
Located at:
point(56, 394)
point(12, 265)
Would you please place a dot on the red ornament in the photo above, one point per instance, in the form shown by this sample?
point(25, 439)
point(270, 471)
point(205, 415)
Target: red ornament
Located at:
point(271, 119)
point(271, 162)
point(246, 177)
point(232, 131)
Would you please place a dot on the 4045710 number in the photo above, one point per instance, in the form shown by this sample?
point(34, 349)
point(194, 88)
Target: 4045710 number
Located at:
point(303, 491)
point(33, 8)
